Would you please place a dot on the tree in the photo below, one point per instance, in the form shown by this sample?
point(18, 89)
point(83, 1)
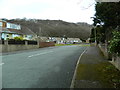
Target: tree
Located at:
point(114, 46)
point(92, 36)
point(108, 17)
point(107, 14)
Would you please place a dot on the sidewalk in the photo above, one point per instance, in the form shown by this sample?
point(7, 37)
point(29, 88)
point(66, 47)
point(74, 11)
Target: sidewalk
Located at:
point(94, 71)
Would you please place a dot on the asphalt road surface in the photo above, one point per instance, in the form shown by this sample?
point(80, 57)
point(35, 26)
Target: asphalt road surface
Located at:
point(51, 67)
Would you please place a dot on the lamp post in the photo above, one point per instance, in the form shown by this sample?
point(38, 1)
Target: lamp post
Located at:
point(95, 36)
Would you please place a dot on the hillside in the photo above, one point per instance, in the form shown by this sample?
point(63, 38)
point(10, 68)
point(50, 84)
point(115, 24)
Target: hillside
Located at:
point(55, 28)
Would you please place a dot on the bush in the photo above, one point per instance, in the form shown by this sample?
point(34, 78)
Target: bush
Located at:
point(18, 38)
point(114, 46)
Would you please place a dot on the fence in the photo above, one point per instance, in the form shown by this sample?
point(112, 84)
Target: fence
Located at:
point(32, 42)
point(12, 45)
point(1, 41)
point(17, 42)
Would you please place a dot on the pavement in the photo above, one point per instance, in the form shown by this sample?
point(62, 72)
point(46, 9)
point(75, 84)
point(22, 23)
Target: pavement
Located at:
point(87, 74)
point(51, 67)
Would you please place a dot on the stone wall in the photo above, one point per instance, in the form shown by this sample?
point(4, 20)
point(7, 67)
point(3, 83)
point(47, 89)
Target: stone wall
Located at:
point(116, 61)
point(103, 50)
point(9, 48)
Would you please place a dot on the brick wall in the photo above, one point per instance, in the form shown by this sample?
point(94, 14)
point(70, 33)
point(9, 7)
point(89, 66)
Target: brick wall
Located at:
point(46, 44)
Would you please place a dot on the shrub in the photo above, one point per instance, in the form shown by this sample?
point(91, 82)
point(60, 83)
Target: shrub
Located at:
point(114, 46)
point(18, 38)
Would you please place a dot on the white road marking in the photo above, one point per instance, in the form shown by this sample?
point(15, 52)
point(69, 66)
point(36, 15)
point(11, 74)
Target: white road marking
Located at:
point(2, 63)
point(40, 54)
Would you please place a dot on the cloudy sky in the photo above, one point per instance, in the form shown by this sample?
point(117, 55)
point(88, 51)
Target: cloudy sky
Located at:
point(67, 10)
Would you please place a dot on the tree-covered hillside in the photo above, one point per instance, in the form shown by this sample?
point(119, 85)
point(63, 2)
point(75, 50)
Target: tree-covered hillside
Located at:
point(55, 28)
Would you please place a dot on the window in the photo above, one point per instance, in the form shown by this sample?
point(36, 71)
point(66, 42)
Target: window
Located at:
point(0, 24)
point(13, 26)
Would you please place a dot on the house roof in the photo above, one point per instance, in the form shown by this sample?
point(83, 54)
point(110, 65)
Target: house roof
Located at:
point(2, 20)
point(26, 31)
point(43, 39)
point(57, 38)
point(15, 31)
point(5, 30)
point(73, 39)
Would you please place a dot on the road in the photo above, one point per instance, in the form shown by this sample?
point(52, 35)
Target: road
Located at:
point(51, 67)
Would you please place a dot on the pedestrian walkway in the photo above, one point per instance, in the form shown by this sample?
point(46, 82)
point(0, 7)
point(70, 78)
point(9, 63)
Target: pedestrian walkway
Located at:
point(91, 70)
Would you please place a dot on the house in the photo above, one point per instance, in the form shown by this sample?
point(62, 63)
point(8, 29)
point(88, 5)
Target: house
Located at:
point(73, 40)
point(58, 40)
point(28, 34)
point(43, 39)
point(10, 30)
point(88, 40)
point(61, 40)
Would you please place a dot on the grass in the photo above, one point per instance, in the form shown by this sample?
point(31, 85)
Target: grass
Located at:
point(109, 74)
point(72, 44)
point(103, 72)
point(85, 45)
point(65, 44)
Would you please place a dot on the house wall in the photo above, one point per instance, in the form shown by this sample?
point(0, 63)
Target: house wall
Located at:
point(15, 35)
point(10, 35)
point(3, 24)
point(0, 24)
point(4, 36)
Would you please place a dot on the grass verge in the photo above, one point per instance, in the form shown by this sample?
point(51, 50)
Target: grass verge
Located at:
point(72, 44)
point(65, 44)
point(104, 72)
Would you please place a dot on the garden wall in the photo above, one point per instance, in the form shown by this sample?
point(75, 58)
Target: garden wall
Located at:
point(103, 50)
point(17, 47)
point(116, 61)
point(46, 44)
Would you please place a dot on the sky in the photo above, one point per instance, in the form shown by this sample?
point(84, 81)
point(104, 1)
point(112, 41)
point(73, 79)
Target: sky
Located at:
point(66, 10)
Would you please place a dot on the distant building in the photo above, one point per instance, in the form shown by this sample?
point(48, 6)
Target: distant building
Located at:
point(88, 40)
point(73, 40)
point(60, 40)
